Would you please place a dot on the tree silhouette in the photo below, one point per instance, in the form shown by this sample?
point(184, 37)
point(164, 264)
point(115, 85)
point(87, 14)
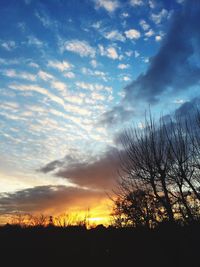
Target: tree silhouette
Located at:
point(160, 171)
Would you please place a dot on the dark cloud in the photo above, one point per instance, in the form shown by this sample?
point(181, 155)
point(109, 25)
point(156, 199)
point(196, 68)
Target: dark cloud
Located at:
point(174, 68)
point(188, 108)
point(100, 172)
point(49, 199)
point(51, 166)
point(118, 113)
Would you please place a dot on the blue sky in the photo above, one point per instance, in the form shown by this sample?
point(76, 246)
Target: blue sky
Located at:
point(75, 73)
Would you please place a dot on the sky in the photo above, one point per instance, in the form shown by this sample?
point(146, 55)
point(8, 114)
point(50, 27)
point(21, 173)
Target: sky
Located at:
point(73, 76)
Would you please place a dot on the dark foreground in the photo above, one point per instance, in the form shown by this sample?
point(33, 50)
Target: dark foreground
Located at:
point(165, 246)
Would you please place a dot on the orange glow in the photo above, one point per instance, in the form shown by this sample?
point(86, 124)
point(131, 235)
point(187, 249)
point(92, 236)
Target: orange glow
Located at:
point(99, 214)
point(73, 215)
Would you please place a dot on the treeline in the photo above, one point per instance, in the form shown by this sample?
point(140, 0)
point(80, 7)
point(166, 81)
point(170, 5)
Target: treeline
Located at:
point(160, 173)
point(28, 220)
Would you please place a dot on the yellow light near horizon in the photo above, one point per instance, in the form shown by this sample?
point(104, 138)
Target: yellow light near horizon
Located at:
point(99, 214)
point(99, 220)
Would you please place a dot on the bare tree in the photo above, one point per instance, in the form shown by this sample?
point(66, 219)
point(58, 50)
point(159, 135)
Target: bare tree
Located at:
point(38, 220)
point(148, 159)
point(160, 170)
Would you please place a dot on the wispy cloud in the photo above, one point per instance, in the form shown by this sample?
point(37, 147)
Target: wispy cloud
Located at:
point(60, 65)
point(93, 86)
point(32, 40)
point(19, 75)
point(37, 89)
point(99, 74)
point(114, 35)
point(44, 19)
point(45, 76)
point(33, 64)
point(8, 45)
point(69, 75)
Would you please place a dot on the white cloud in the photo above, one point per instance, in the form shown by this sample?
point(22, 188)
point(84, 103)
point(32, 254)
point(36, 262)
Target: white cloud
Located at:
point(112, 53)
point(85, 86)
point(37, 89)
point(109, 52)
point(87, 71)
point(125, 15)
point(136, 54)
point(10, 106)
point(152, 4)
point(157, 18)
point(33, 64)
point(10, 73)
point(123, 66)
point(97, 73)
point(20, 75)
point(9, 45)
point(132, 34)
point(32, 40)
point(146, 60)
point(93, 87)
point(7, 61)
point(45, 76)
point(69, 75)
point(81, 48)
point(46, 22)
point(97, 25)
point(126, 78)
point(60, 65)
point(77, 110)
point(27, 76)
point(101, 75)
point(114, 35)
point(136, 2)
point(129, 53)
point(76, 99)
point(149, 33)
point(179, 101)
point(59, 85)
point(97, 96)
point(93, 63)
point(109, 5)
point(145, 26)
point(158, 38)
point(52, 97)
